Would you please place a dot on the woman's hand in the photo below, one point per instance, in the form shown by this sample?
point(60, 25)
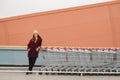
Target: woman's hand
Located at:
point(28, 49)
point(37, 49)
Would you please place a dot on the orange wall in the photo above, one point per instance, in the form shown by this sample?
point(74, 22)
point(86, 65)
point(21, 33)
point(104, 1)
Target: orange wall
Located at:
point(87, 26)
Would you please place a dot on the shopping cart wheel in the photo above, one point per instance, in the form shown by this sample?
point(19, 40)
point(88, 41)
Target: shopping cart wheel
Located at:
point(52, 73)
point(72, 73)
point(59, 73)
point(79, 74)
point(40, 73)
point(47, 73)
point(66, 73)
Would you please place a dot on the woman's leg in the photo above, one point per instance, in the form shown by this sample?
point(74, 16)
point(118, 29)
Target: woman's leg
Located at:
point(31, 63)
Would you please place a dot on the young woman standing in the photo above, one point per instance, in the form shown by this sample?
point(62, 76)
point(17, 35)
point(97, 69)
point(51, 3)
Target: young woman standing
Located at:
point(33, 48)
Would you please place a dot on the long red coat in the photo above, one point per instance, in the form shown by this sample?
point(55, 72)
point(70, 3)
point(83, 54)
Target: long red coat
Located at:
point(32, 46)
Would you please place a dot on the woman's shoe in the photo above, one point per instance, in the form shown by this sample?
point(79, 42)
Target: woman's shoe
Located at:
point(28, 72)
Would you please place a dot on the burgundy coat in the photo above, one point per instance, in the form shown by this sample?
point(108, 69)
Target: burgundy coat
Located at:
point(32, 46)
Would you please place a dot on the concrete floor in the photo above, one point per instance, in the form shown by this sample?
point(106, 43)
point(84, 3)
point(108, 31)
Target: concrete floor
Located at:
point(23, 76)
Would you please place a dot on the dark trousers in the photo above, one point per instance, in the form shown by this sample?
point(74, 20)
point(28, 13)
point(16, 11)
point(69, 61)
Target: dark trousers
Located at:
point(31, 63)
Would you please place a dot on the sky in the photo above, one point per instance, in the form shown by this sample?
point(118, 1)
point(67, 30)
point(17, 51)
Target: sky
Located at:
point(9, 8)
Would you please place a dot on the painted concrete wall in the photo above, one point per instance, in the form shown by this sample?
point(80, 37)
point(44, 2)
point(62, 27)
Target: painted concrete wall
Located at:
point(68, 57)
point(87, 26)
point(16, 56)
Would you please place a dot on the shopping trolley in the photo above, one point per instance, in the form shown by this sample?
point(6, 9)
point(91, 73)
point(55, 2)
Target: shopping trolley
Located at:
point(81, 60)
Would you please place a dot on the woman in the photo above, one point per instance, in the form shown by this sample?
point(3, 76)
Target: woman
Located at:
point(33, 48)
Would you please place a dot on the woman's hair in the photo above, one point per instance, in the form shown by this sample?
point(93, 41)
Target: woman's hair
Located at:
point(33, 38)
